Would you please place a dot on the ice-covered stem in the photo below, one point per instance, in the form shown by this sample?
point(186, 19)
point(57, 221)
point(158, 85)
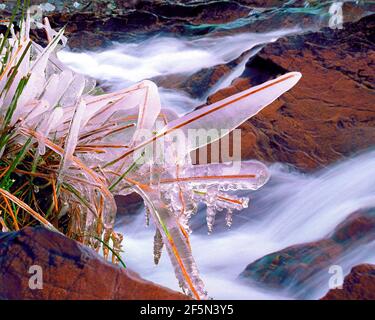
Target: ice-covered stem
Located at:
point(177, 244)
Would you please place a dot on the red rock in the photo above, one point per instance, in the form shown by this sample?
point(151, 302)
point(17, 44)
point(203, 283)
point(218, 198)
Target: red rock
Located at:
point(359, 284)
point(70, 271)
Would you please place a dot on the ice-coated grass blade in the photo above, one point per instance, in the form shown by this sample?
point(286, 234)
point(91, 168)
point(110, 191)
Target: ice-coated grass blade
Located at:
point(178, 247)
point(224, 115)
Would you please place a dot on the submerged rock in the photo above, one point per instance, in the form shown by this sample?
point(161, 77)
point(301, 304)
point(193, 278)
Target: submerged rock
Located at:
point(296, 266)
point(70, 271)
point(359, 284)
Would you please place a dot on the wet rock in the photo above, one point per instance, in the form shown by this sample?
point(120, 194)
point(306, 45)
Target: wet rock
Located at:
point(359, 284)
point(70, 271)
point(128, 205)
point(200, 83)
point(199, 12)
point(93, 25)
point(88, 30)
point(330, 114)
point(297, 265)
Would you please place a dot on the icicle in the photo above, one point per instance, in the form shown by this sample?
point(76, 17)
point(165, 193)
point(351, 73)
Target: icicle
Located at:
point(229, 218)
point(158, 246)
point(147, 216)
point(210, 218)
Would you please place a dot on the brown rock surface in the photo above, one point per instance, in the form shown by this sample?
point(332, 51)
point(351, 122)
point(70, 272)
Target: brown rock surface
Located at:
point(359, 284)
point(330, 114)
point(197, 84)
point(128, 205)
point(70, 271)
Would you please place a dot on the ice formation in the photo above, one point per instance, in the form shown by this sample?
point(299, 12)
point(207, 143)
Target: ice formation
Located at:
point(102, 147)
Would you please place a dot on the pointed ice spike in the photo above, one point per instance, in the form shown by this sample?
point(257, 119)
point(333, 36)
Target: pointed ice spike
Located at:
point(210, 218)
point(158, 246)
point(147, 216)
point(229, 218)
point(37, 79)
point(229, 113)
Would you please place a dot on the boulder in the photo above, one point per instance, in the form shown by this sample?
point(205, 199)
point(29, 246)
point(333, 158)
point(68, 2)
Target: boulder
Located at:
point(69, 271)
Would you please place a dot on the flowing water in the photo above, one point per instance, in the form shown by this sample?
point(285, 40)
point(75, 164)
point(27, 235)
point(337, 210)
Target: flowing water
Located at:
point(127, 63)
point(293, 208)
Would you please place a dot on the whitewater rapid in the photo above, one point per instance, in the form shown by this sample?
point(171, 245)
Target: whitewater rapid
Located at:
point(124, 64)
